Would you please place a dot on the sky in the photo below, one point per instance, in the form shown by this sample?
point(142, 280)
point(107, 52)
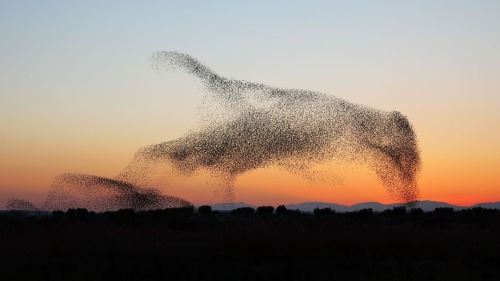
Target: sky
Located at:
point(78, 94)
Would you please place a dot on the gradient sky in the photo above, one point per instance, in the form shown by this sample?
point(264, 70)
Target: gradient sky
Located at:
point(77, 93)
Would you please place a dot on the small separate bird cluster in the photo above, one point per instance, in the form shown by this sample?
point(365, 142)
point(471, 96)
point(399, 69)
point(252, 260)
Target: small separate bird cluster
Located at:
point(98, 194)
point(101, 194)
point(19, 204)
point(248, 126)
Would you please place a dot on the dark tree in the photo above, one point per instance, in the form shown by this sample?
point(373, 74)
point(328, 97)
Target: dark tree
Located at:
point(58, 215)
point(70, 214)
point(205, 209)
point(395, 212)
point(125, 214)
point(363, 214)
point(243, 211)
point(182, 211)
point(281, 209)
point(265, 210)
point(443, 211)
point(323, 211)
point(416, 212)
point(82, 213)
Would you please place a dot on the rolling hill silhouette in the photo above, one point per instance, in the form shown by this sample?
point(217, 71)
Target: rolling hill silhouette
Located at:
point(425, 205)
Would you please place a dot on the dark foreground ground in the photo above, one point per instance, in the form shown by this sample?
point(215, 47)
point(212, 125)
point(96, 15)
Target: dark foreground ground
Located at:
point(182, 245)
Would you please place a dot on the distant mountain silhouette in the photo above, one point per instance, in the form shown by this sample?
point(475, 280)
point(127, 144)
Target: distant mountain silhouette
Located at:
point(425, 205)
point(376, 206)
point(429, 206)
point(489, 205)
point(230, 206)
point(310, 206)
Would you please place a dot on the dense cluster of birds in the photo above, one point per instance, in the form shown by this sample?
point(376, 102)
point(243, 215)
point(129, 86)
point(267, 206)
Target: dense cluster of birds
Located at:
point(248, 126)
point(257, 125)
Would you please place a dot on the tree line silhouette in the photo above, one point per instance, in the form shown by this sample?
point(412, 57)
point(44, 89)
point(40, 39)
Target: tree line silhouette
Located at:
point(263, 243)
point(441, 216)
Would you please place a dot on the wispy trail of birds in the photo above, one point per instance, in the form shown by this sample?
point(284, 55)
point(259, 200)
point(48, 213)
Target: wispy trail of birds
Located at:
point(248, 126)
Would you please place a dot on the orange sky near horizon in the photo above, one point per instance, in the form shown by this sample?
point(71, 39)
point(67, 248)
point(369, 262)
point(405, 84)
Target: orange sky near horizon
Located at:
point(460, 159)
point(459, 179)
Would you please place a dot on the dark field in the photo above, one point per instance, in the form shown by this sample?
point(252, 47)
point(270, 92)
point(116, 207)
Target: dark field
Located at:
point(180, 244)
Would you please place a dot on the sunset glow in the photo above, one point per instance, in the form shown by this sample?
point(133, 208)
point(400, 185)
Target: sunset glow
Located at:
point(78, 94)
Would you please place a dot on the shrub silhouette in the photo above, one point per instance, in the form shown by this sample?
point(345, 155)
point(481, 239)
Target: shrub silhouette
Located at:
point(395, 212)
point(70, 214)
point(243, 211)
point(363, 214)
point(125, 214)
point(281, 209)
point(443, 211)
point(265, 210)
point(82, 213)
point(79, 213)
point(205, 209)
point(58, 215)
point(183, 211)
point(416, 212)
point(323, 211)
